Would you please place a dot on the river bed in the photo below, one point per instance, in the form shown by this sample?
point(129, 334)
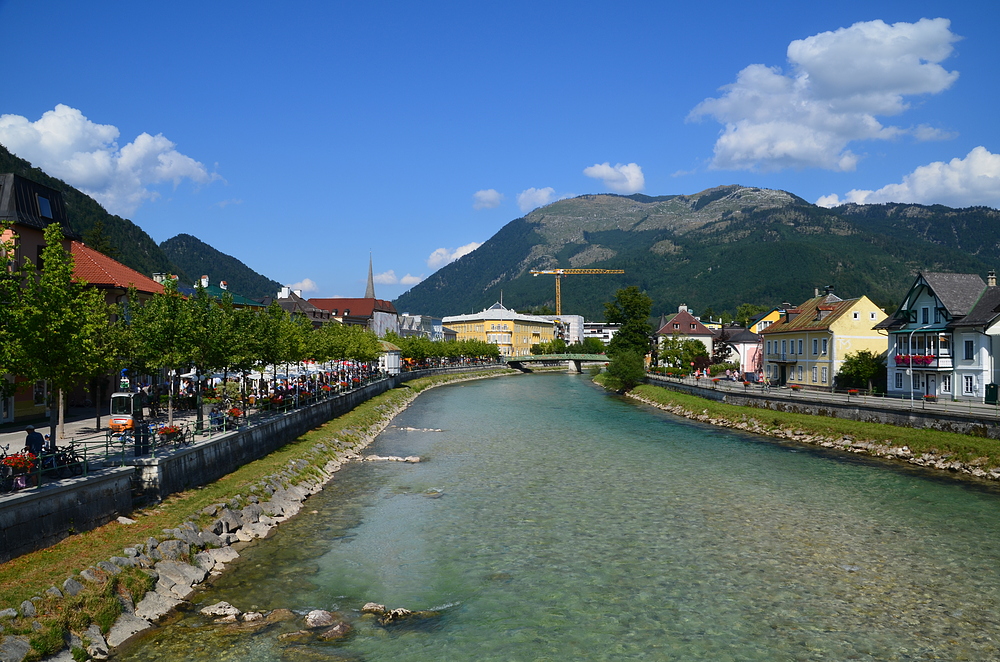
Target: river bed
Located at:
point(552, 521)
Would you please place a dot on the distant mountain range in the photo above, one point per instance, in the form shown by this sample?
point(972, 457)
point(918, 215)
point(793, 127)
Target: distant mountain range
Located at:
point(183, 255)
point(718, 248)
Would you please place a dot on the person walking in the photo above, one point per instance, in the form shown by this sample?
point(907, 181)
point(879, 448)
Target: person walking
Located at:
point(34, 441)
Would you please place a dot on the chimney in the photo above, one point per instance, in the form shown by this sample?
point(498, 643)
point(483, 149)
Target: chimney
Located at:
point(223, 285)
point(204, 281)
point(159, 277)
point(682, 308)
point(815, 291)
point(991, 278)
point(298, 293)
point(283, 294)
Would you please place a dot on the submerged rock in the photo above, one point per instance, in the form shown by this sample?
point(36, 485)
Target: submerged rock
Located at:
point(319, 618)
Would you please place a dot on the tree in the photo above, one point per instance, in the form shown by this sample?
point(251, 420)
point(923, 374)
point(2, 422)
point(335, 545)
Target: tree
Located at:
point(721, 349)
point(62, 323)
point(746, 312)
point(630, 310)
point(161, 331)
point(862, 369)
point(685, 354)
point(11, 349)
point(626, 371)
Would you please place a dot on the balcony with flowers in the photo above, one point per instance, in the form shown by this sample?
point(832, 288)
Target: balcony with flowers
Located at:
point(922, 360)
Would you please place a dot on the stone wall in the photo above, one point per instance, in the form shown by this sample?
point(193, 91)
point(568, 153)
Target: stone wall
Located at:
point(857, 410)
point(35, 519)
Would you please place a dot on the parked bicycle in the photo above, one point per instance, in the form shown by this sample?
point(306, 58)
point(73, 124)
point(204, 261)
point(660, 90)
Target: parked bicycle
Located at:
point(63, 462)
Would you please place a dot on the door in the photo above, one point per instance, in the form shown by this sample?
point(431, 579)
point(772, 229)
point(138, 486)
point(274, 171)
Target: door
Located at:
point(931, 385)
point(783, 375)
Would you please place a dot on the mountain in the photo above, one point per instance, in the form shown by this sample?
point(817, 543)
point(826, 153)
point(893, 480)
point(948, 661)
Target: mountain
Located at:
point(196, 257)
point(119, 237)
point(718, 248)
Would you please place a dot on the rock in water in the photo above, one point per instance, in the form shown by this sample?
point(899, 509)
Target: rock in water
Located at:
point(220, 609)
point(338, 631)
point(319, 618)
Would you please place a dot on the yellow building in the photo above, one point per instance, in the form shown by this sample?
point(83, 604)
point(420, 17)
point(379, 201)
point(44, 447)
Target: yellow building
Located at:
point(808, 344)
point(761, 322)
point(512, 332)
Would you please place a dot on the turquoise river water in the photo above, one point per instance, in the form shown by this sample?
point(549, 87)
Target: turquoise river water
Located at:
point(552, 521)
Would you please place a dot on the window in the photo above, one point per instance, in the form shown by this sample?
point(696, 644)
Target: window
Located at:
point(967, 384)
point(800, 373)
point(815, 347)
point(824, 349)
point(944, 345)
point(800, 347)
point(693, 327)
point(899, 381)
point(768, 346)
point(784, 346)
point(925, 315)
point(946, 383)
point(824, 373)
point(815, 372)
point(857, 315)
point(44, 208)
point(677, 326)
point(970, 349)
point(937, 315)
point(915, 382)
point(874, 316)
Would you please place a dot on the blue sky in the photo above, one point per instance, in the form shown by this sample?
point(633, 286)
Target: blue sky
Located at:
point(299, 137)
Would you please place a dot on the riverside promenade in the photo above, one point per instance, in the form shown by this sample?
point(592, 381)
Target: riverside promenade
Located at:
point(963, 417)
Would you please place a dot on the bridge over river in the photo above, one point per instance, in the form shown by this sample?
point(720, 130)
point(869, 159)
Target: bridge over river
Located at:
point(574, 362)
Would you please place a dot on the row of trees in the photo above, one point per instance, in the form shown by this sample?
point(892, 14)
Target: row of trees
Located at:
point(56, 329)
point(421, 349)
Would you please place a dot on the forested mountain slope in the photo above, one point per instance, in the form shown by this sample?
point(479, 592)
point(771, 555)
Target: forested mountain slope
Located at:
point(721, 247)
point(196, 257)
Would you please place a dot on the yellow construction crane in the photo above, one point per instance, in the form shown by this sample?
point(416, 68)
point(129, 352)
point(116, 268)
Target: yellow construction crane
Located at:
point(559, 273)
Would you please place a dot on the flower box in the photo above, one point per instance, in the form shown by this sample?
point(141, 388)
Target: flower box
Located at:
point(235, 412)
point(852, 391)
point(20, 463)
point(930, 398)
point(795, 387)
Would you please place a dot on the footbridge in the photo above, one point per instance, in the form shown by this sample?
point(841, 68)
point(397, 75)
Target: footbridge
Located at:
point(574, 362)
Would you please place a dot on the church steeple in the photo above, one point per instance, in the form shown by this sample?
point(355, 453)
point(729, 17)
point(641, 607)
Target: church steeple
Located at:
point(370, 290)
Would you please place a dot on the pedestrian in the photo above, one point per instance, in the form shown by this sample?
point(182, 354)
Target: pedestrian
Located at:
point(34, 441)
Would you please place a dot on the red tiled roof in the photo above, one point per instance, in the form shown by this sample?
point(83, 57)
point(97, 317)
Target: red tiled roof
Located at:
point(100, 270)
point(358, 307)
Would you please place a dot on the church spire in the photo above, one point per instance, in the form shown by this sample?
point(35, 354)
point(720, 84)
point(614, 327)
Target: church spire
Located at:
point(370, 290)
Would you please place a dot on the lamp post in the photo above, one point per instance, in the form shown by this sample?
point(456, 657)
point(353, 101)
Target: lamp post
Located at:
point(909, 364)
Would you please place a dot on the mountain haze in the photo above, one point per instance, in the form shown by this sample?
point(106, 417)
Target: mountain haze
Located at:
point(721, 247)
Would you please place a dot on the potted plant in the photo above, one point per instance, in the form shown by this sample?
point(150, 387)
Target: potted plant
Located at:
point(852, 391)
point(795, 387)
point(930, 398)
point(168, 433)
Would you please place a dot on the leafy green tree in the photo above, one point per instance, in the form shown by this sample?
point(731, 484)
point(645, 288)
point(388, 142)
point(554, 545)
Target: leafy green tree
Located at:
point(686, 354)
point(625, 371)
point(11, 349)
point(863, 369)
point(62, 323)
point(98, 239)
point(630, 310)
point(746, 312)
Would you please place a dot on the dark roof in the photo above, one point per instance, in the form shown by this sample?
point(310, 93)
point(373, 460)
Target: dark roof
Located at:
point(20, 204)
point(293, 304)
point(986, 310)
point(358, 307)
point(958, 292)
point(684, 320)
point(738, 334)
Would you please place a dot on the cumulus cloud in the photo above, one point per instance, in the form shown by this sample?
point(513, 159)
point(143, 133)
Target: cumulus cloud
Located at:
point(533, 198)
point(974, 180)
point(67, 145)
point(443, 256)
point(620, 178)
point(304, 285)
point(839, 82)
point(487, 199)
point(389, 278)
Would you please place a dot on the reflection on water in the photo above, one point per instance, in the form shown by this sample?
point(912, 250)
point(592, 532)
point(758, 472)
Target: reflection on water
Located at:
point(553, 522)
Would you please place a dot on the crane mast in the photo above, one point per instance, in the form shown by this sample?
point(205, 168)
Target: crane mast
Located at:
point(559, 273)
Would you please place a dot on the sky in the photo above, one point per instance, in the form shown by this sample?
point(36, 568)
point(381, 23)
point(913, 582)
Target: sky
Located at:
point(303, 138)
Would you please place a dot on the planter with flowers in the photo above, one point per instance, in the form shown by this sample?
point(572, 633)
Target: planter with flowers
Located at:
point(169, 433)
point(852, 391)
point(21, 463)
point(930, 398)
point(795, 387)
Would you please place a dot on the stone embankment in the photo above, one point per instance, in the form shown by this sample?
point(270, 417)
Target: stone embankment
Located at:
point(844, 443)
point(187, 556)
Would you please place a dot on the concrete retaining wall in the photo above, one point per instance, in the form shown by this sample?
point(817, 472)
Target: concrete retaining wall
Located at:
point(35, 519)
point(868, 412)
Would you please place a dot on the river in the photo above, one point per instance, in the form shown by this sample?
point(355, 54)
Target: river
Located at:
point(552, 521)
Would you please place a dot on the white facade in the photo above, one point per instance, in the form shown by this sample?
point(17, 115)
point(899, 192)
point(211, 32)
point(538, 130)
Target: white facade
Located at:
point(600, 330)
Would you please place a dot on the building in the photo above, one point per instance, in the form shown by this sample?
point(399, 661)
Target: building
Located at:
point(745, 345)
point(760, 322)
point(421, 325)
point(807, 345)
point(377, 315)
point(685, 326)
point(943, 337)
point(600, 330)
point(569, 327)
point(512, 332)
point(291, 301)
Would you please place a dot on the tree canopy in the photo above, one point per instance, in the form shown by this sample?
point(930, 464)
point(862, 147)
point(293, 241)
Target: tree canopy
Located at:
point(630, 310)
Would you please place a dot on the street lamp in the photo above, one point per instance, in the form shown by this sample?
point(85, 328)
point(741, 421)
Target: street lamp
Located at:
point(909, 364)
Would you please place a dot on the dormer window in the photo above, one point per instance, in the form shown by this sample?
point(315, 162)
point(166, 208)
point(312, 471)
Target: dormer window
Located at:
point(693, 327)
point(677, 326)
point(44, 208)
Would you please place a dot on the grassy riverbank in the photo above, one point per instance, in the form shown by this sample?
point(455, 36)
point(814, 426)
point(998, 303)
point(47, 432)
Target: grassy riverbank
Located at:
point(30, 575)
point(973, 451)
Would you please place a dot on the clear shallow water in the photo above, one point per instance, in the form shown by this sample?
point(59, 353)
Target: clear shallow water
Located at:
point(554, 522)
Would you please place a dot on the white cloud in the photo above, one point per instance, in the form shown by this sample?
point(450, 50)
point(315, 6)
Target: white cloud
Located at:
point(67, 145)
point(222, 204)
point(487, 199)
point(533, 198)
point(389, 278)
point(974, 180)
point(443, 256)
point(621, 178)
point(840, 81)
point(386, 278)
point(304, 285)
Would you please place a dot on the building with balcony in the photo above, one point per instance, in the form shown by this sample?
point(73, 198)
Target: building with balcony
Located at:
point(807, 345)
point(512, 332)
point(943, 336)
